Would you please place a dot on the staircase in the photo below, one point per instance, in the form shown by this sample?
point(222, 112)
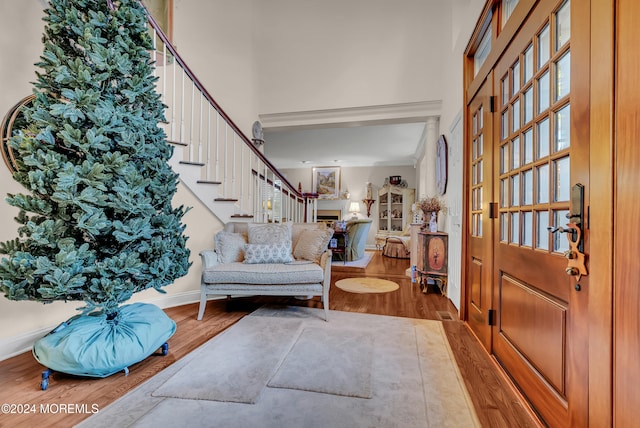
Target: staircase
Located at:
point(215, 160)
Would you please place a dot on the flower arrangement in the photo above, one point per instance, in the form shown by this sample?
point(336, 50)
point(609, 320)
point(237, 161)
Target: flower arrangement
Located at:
point(430, 204)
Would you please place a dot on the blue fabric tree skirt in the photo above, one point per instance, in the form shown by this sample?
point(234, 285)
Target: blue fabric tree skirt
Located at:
point(91, 345)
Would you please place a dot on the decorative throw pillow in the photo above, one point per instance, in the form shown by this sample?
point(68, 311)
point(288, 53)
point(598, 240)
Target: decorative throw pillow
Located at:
point(298, 228)
point(312, 243)
point(230, 246)
point(269, 233)
point(268, 253)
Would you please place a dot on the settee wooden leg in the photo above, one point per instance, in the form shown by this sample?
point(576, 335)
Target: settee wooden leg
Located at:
point(325, 304)
point(203, 303)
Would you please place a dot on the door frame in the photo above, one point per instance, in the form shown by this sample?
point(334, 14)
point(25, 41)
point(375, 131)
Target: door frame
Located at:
point(602, 21)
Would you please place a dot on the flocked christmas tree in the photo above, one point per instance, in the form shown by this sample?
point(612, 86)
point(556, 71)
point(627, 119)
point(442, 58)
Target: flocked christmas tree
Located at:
point(96, 220)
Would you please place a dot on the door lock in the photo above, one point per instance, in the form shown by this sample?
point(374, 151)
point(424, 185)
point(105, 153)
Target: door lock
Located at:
point(572, 271)
point(575, 255)
point(570, 254)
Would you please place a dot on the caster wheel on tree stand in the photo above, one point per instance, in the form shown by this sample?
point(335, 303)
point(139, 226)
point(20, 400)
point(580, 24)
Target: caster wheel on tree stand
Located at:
point(44, 383)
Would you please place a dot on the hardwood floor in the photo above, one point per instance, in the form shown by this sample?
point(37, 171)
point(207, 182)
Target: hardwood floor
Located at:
point(70, 400)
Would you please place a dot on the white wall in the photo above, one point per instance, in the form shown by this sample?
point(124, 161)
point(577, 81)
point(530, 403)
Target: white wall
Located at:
point(462, 15)
point(215, 38)
point(316, 55)
point(16, 72)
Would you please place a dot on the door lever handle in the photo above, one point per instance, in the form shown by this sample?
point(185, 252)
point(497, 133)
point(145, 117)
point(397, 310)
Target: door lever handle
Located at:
point(560, 229)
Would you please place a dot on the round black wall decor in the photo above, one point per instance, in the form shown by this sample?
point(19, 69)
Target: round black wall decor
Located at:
point(441, 165)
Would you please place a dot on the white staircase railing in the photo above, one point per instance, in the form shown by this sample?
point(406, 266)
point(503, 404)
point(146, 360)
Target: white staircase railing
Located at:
point(214, 158)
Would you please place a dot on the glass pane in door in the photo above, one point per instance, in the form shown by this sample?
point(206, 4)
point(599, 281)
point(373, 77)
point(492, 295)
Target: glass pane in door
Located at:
point(515, 73)
point(504, 193)
point(543, 92)
point(527, 187)
point(504, 227)
point(515, 228)
point(560, 241)
point(515, 190)
point(562, 136)
point(543, 184)
point(543, 139)
point(527, 146)
point(504, 84)
point(562, 179)
point(528, 64)
point(544, 46)
point(563, 25)
point(562, 76)
point(515, 125)
point(515, 153)
point(542, 234)
point(504, 159)
point(527, 228)
point(504, 124)
point(528, 106)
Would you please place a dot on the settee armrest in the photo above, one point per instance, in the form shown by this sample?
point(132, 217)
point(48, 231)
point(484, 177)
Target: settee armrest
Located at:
point(209, 258)
point(325, 264)
point(325, 258)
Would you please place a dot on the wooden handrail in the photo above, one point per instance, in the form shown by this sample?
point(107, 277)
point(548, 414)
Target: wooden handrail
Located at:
point(215, 105)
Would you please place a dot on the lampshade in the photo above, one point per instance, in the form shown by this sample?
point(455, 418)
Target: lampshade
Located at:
point(354, 208)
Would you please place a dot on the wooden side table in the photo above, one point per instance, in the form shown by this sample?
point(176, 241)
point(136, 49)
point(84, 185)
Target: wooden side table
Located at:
point(432, 260)
point(341, 242)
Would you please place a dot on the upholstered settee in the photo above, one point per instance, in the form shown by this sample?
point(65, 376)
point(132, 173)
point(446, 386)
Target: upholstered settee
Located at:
point(276, 259)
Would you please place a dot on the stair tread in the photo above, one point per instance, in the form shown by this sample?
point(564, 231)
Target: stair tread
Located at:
point(208, 182)
point(177, 143)
point(225, 200)
point(242, 216)
point(191, 163)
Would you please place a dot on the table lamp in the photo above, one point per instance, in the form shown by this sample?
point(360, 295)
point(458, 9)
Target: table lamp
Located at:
point(354, 208)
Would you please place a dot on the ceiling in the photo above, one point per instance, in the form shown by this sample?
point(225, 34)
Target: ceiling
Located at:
point(363, 145)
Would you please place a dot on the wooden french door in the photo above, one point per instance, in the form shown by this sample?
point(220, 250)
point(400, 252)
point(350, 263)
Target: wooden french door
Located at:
point(520, 185)
point(480, 244)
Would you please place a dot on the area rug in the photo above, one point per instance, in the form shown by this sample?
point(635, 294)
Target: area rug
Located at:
point(234, 368)
point(366, 285)
point(414, 381)
point(328, 361)
point(361, 264)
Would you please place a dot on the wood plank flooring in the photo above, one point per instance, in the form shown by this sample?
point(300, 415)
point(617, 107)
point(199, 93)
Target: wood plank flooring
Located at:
point(70, 400)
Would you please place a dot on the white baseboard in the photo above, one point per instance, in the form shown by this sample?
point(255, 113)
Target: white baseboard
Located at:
point(16, 345)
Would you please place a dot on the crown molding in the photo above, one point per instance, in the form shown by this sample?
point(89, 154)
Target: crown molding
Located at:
point(351, 116)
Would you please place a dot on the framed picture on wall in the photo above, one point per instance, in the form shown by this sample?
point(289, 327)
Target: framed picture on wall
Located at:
point(325, 181)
